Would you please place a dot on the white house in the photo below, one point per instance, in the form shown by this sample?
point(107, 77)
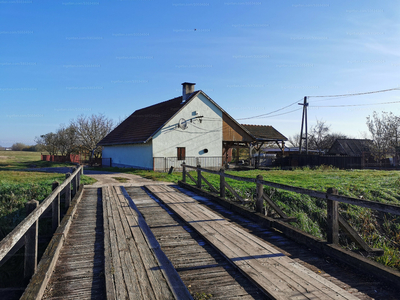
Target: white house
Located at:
point(190, 128)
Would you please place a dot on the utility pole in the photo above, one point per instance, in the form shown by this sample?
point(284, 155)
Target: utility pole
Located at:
point(304, 125)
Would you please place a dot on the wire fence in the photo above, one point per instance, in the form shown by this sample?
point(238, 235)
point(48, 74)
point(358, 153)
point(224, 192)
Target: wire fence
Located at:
point(164, 164)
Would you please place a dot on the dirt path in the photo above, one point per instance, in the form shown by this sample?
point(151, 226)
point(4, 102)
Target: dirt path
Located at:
point(108, 178)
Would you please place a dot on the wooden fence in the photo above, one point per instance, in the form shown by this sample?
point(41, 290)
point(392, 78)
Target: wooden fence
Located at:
point(334, 220)
point(26, 233)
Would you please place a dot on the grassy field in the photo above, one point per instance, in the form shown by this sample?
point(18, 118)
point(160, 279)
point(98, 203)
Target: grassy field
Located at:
point(378, 230)
point(17, 186)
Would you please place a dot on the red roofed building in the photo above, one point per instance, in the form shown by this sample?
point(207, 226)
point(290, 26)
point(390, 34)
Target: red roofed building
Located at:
point(191, 128)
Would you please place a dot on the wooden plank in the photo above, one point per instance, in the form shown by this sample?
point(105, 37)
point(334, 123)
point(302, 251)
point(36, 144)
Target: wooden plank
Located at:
point(39, 280)
point(120, 289)
point(241, 248)
point(238, 249)
point(191, 177)
point(213, 189)
point(199, 265)
point(108, 266)
point(275, 207)
point(136, 274)
point(152, 269)
point(234, 192)
point(266, 285)
point(174, 281)
point(355, 237)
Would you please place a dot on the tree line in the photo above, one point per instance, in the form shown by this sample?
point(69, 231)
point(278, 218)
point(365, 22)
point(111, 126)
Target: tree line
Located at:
point(79, 136)
point(384, 135)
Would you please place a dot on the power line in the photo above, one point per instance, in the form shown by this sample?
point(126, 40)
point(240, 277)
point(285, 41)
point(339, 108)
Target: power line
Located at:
point(357, 94)
point(281, 113)
point(267, 114)
point(358, 104)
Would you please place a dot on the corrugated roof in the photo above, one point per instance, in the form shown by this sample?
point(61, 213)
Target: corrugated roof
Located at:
point(140, 126)
point(351, 147)
point(264, 132)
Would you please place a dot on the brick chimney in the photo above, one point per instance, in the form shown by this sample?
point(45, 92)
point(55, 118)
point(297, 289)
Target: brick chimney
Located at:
point(187, 89)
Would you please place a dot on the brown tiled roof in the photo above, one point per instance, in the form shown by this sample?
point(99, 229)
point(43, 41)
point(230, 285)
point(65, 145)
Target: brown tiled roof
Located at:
point(264, 132)
point(140, 126)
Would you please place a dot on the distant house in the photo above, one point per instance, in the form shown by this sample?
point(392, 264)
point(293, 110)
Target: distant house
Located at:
point(350, 147)
point(191, 128)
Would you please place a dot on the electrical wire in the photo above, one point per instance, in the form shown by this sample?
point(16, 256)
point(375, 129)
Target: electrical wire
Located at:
point(285, 113)
point(346, 105)
point(267, 114)
point(357, 94)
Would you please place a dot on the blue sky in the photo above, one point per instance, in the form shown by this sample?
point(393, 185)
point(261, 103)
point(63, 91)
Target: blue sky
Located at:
point(62, 59)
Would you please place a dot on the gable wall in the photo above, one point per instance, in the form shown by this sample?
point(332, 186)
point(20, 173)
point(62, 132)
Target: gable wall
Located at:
point(197, 137)
point(232, 132)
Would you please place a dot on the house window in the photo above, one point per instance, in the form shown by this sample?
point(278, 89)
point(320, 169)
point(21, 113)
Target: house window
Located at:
point(181, 153)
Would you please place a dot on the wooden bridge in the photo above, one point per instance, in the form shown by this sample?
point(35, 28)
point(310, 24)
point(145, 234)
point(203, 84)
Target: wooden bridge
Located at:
point(157, 241)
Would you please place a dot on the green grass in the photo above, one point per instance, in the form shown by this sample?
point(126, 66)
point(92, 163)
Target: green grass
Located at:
point(379, 230)
point(17, 187)
point(121, 179)
point(17, 160)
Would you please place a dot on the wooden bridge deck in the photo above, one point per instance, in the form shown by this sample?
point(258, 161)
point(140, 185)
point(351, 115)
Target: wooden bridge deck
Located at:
point(211, 254)
point(79, 272)
point(202, 268)
point(276, 274)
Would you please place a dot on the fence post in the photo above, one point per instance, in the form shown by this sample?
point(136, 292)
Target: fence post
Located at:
point(68, 191)
point(184, 172)
point(198, 177)
point(78, 177)
point(333, 218)
point(74, 186)
point(55, 207)
point(260, 191)
point(222, 183)
point(31, 243)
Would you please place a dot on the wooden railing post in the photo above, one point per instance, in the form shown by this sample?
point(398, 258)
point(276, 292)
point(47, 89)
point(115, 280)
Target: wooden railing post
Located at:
point(55, 207)
point(74, 186)
point(260, 191)
point(31, 243)
point(222, 183)
point(184, 172)
point(333, 219)
point(78, 178)
point(67, 192)
point(198, 177)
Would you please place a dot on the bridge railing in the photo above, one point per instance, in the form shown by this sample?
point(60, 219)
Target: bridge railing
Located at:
point(334, 220)
point(26, 232)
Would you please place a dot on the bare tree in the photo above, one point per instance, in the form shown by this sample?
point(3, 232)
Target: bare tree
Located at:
point(385, 132)
point(321, 138)
point(48, 142)
point(91, 130)
point(67, 141)
point(294, 140)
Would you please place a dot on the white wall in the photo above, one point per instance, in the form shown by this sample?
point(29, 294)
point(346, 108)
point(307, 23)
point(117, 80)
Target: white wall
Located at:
point(197, 137)
point(134, 155)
